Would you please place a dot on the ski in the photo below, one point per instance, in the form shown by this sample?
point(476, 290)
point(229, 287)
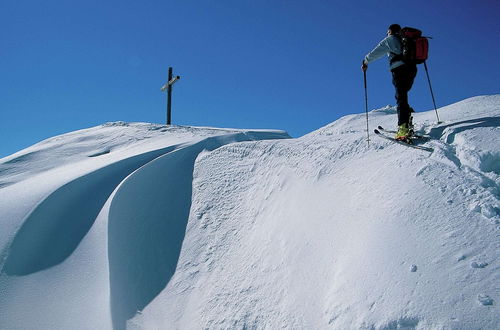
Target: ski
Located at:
point(407, 144)
point(416, 136)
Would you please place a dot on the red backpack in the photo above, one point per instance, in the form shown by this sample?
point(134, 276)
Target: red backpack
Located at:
point(415, 47)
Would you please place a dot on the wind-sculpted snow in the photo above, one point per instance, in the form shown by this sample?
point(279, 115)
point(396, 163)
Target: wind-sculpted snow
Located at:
point(65, 229)
point(321, 232)
point(326, 232)
point(56, 226)
point(147, 222)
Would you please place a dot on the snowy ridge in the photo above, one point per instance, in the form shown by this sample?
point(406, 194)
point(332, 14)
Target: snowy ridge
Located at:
point(51, 228)
point(325, 232)
point(189, 228)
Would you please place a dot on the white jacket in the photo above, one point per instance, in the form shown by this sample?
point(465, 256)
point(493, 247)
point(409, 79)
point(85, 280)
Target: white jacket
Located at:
point(391, 46)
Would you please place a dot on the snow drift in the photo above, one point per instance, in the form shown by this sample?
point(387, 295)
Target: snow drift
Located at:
point(147, 227)
point(92, 221)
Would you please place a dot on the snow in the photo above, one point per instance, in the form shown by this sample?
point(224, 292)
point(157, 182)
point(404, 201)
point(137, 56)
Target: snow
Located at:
point(142, 226)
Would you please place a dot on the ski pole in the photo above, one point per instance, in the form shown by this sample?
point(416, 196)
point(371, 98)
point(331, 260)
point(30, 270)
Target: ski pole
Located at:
point(432, 94)
point(366, 109)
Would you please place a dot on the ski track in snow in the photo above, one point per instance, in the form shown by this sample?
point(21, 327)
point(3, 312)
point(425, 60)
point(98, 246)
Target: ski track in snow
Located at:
point(319, 232)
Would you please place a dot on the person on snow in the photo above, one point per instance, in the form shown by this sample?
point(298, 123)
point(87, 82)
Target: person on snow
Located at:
point(403, 75)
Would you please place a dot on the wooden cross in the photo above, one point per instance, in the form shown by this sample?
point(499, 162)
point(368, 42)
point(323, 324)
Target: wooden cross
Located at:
point(168, 87)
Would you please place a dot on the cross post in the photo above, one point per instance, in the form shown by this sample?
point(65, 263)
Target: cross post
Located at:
point(168, 87)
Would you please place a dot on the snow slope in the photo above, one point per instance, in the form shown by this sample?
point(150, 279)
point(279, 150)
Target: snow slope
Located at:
point(184, 229)
point(61, 237)
point(324, 232)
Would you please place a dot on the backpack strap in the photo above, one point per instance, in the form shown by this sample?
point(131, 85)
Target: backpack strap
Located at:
point(397, 57)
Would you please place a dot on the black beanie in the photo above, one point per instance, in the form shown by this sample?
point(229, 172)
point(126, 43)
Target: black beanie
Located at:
point(395, 28)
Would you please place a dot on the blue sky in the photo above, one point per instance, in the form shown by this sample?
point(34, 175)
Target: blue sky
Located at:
point(291, 65)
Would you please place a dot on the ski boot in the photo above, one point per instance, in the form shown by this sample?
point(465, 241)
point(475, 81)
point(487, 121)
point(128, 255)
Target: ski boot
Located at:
point(403, 133)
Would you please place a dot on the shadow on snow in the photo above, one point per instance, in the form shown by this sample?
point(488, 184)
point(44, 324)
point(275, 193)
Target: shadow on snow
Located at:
point(53, 230)
point(147, 223)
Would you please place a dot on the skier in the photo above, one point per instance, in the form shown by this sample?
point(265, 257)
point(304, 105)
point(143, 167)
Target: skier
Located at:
point(403, 75)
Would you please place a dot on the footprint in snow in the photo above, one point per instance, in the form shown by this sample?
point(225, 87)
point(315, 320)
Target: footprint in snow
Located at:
point(485, 300)
point(479, 264)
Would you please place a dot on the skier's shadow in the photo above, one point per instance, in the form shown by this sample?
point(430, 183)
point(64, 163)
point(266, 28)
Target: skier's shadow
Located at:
point(459, 127)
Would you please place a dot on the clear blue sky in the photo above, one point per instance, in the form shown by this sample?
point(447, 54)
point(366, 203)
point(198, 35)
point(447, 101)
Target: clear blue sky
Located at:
point(282, 64)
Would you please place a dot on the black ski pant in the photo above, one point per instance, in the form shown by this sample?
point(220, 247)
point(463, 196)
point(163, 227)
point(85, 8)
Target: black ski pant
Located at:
point(402, 79)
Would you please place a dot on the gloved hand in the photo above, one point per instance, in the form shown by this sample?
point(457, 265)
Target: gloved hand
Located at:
point(364, 66)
